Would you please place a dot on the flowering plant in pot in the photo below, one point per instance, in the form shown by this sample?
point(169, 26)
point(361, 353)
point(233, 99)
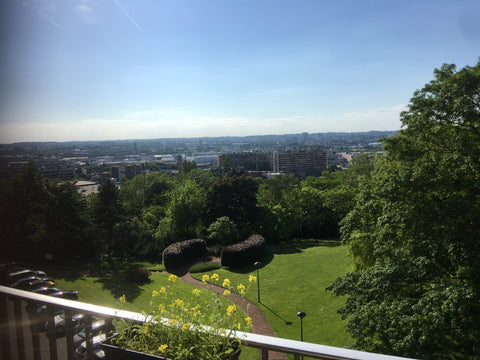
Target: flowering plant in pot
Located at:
point(181, 329)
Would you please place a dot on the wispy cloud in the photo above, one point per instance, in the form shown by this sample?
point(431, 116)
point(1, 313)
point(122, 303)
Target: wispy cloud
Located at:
point(132, 20)
point(84, 7)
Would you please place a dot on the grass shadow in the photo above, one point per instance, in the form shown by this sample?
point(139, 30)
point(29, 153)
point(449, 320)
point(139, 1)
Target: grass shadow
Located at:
point(118, 285)
point(276, 314)
point(264, 261)
point(69, 271)
point(298, 245)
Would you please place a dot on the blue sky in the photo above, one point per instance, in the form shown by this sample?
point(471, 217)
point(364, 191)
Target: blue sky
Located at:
point(124, 69)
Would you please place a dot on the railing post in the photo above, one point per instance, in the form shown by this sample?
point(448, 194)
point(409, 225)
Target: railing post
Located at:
point(19, 329)
point(52, 336)
point(4, 333)
point(264, 354)
point(108, 326)
point(69, 333)
point(34, 330)
point(89, 337)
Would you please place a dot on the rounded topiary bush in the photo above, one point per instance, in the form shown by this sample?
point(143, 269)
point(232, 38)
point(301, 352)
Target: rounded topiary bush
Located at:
point(244, 253)
point(183, 252)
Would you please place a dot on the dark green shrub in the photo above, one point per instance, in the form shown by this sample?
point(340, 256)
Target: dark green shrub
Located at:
point(184, 252)
point(137, 274)
point(244, 253)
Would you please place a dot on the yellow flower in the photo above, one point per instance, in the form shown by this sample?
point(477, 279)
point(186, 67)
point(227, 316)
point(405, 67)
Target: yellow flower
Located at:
point(226, 292)
point(122, 299)
point(172, 278)
point(241, 288)
point(178, 302)
point(231, 309)
point(196, 292)
point(248, 320)
point(252, 278)
point(172, 322)
point(155, 293)
point(215, 277)
point(205, 278)
point(194, 312)
point(163, 290)
point(226, 283)
point(185, 327)
point(162, 348)
point(162, 309)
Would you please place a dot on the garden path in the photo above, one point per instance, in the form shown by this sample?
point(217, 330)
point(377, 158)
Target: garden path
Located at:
point(260, 324)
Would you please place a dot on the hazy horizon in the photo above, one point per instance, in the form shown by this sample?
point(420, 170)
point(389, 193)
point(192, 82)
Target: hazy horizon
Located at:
point(84, 70)
point(199, 137)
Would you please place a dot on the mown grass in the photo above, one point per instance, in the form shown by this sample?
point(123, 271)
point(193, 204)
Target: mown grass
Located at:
point(293, 278)
point(106, 291)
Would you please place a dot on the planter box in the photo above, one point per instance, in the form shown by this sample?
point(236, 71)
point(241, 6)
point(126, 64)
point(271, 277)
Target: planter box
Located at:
point(113, 352)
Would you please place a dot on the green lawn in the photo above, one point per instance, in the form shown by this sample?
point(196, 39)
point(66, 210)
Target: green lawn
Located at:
point(292, 279)
point(107, 291)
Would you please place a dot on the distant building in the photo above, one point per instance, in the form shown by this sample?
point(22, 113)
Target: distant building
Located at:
point(87, 187)
point(128, 172)
point(301, 163)
point(59, 173)
point(253, 161)
point(51, 169)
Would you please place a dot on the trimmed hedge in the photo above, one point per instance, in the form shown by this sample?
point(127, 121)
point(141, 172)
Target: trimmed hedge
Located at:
point(244, 253)
point(183, 253)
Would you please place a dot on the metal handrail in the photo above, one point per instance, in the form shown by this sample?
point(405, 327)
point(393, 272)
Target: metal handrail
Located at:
point(298, 348)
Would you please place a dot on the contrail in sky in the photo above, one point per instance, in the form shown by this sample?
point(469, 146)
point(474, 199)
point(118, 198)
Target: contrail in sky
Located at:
point(128, 15)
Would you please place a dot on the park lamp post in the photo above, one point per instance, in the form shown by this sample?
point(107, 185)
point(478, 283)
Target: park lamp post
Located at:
point(257, 265)
point(301, 315)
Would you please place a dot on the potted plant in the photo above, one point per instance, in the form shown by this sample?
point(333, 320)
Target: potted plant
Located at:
point(177, 329)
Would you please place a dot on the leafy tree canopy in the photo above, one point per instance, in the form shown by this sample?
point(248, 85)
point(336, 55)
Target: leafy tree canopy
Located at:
point(415, 230)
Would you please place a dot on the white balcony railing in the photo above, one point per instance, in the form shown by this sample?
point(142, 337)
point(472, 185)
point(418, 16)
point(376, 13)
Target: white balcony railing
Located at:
point(21, 339)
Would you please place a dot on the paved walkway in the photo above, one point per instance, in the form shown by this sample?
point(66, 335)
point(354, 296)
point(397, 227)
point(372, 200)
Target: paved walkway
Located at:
point(260, 324)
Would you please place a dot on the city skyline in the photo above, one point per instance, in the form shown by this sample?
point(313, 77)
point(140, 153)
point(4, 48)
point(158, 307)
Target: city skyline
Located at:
point(85, 70)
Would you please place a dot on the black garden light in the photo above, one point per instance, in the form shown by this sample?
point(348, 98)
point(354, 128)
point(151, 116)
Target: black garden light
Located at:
point(257, 265)
point(301, 315)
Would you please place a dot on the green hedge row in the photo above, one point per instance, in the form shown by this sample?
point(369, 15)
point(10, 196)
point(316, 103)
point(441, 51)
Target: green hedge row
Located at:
point(183, 252)
point(244, 253)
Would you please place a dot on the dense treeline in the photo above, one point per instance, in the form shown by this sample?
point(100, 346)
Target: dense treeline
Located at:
point(146, 214)
point(415, 230)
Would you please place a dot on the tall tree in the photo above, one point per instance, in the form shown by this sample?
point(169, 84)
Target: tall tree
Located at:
point(187, 166)
point(416, 230)
point(183, 213)
point(22, 215)
point(108, 211)
point(66, 220)
point(234, 197)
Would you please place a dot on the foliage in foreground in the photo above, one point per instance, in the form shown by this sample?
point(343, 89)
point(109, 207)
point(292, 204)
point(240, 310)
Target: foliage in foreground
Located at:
point(202, 329)
point(415, 231)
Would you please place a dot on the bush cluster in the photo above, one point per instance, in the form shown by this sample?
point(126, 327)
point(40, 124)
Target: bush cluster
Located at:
point(137, 273)
point(183, 252)
point(244, 253)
